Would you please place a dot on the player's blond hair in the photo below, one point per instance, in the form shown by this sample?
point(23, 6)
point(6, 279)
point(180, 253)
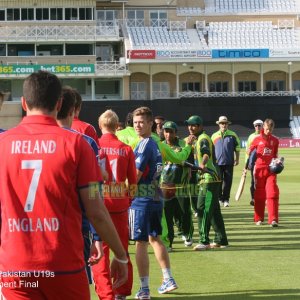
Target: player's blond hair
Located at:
point(270, 122)
point(143, 111)
point(109, 119)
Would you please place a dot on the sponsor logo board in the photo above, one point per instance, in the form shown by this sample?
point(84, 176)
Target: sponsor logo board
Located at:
point(56, 69)
point(240, 53)
point(141, 54)
point(163, 54)
point(285, 53)
point(289, 143)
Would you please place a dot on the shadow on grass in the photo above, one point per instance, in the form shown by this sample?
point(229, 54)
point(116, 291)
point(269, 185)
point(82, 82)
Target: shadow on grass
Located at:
point(245, 216)
point(295, 246)
point(265, 230)
point(270, 243)
point(288, 294)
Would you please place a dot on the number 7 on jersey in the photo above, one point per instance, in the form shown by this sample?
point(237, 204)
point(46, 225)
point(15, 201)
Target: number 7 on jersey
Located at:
point(36, 165)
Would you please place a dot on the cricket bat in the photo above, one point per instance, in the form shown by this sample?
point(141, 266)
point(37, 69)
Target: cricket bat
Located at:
point(240, 189)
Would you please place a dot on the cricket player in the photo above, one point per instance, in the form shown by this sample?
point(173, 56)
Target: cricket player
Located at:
point(266, 188)
point(208, 207)
point(43, 168)
point(194, 124)
point(92, 251)
point(145, 212)
point(257, 126)
point(119, 162)
point(176, 176)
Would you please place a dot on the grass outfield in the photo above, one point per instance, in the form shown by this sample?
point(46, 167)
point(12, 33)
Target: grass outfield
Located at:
point(261, 262)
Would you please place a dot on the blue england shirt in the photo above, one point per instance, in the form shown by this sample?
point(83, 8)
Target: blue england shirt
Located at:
point(149, 161)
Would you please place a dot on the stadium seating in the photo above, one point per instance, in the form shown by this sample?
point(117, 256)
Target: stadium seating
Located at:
point(158, 37)
point(250, 6)
point(219, 35)
point(250, 34)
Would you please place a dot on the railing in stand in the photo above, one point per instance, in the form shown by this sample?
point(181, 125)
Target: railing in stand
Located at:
point(45, 33)
point(237, 94)
point(108, 67)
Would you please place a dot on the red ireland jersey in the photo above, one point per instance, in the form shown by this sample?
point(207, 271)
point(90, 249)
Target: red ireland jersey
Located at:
point(42, 168)
point(119, 162)
point(266, 148)
point(85, 128)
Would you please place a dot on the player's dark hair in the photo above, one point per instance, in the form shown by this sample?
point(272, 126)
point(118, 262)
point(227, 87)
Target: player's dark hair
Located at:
point(121, 126)
point(78, 99)
point(159, 117)
point(68, 102)
point(144, 111)
point(153, 128)
point(129, 119)
point(42, 90)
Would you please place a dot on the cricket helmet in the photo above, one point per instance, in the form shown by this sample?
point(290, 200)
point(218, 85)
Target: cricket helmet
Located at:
point(276, 166)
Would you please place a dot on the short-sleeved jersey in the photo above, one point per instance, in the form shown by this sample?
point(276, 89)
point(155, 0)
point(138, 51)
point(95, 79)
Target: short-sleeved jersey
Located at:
point(119, 162)
point(266, 148)
point(148, 161)
point(42, 168)
point(85, 128)
point(90, 141)
point(225, 145)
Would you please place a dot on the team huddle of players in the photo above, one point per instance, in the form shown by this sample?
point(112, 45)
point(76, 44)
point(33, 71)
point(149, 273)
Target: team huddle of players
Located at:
point(55, 174)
